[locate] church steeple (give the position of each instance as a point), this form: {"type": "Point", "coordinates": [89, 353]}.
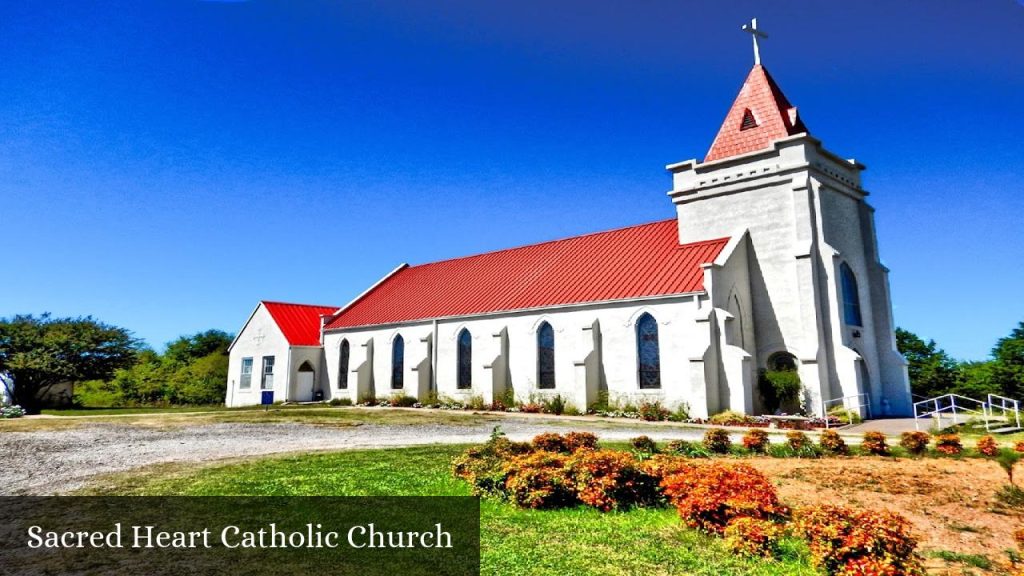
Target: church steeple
{"type": "Point", "coordinates": [760, 115]}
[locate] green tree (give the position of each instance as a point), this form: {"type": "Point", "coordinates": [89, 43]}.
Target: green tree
{"type": "Point", "coordinates": [1008, 364]}
{"type": "Point", "coordinates": [187, 349]}
{"type": "Point", "coordinates": [37, 353]}
{"type": "Point", "coordinates": [932, 371]}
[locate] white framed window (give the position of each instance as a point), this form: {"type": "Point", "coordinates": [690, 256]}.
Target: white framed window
{"type": "Point", "coordinates": [245, 382]}
{"type": "Point", "coordinates": [267, 382]}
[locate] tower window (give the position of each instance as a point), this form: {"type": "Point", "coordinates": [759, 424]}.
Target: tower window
{"type": "Point", "coordinates": [851, 296]}
{"type": "Point", "coordinates": [748, 120]}
{"type": "Point", "coordinates": [648, 353]}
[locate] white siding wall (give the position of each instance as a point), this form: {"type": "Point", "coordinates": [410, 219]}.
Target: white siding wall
{"type": "Point", "coordinates": [260, 337]}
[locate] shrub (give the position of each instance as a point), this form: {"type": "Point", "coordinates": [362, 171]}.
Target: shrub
{"type": "Point", "coordinates": [611, 479]}
{"type": "Point", "coordinates": [661, 466]}
{"type": "Point", "coordinates": [483, 467]}
{"type": "Point", "coordinates": [12, 411]}
{"type": "Point", "coordinates": [848, 542]}
{"type": "Point", "coordinates": [403, 401]}
{"type": "Point", "coordinates": [579, 441]}
{"type": "Point", "coordinates": [1018, 537]}
{"type": "Point", "coordinates": [550, 442]}
{"type": "Point", "coordinates": [797, 440]}
{"type": "Point", "coordinates": [756, 440]}
{"type": "Point", "coordinates": [710, 495]}
{"type": "Point", "coordinates": [476, 402]}
{"type": "Point", "coordinates": [539, 480]}
{"type": "Point", "coordinates": [874, 443]}
{"type": "Point", "coordinates": [717, 440]}
{"type": "Point", "coordinates": [844, 415]}
{"type": "Point", "coordinates": [949, 444]}
{"type": "Point", "coordinates": [681, 413]}
{"type": "Point", "coordinates": [754, 537]}
{"type": "Point", "coordinates": [340, 402]}
{"type": "Point", "coordinates": [555, 405]}
{"type": "Point", "coordinates": [832, 443]}
{"type": "Point", "coordinates": [987, 446]}
{"type": "Point", "coordinates": [729, 418]}
{"type": "Point", "coordinates": [653, 412]}
{"type": "Point", "coordinates": [778, 387]}
{"type": "Point", "coordinates": [1007, 459]}
{"type": "Point", "coordinates": [1010, 495]}
{"type": "Point", "coordinates": [531, 408]}
{"type": "Point", "coordinates": [677, 447]}
{"type": "Point", "coordinates": [1019, 446]}
{"type": "Point", "coordinates": [644, 444]}
{"type": "Point", "coordinates": [915, 442]}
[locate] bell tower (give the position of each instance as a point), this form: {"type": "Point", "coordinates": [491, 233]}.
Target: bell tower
{"type": "Point", "coordinates": [819, 295]}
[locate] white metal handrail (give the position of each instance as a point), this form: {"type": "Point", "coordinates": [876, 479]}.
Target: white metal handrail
{"type": "Point", "coordinates": [860, 401]}
{"type": "Point", "coordinates": [1005, 405]}
{"type": "Point", "coordinates": [935, 407]}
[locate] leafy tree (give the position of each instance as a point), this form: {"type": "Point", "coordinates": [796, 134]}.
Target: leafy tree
{"type": "Point", "coordinates": [38, 353]}
{"type": "Point", "coordinates": [190, 348]}
{"type": "Point", "coordinates": [932, 371]}
{"type": "Point", "coordinates": [1008, 363]}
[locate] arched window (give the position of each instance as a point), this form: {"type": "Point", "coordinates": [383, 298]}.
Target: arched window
{"type": "Point", "coordinates": [545, 356]}
{"type": "Point", "coordinates": [465, 357]}
{"type": "Point", "coordinates": [398, 363]}
{"type": "Point", "coordinates": [647, 352]}
{"type": "Point", "coordinates": [851, 297]}
{"type": "Point", "coordinates": [343, 366]}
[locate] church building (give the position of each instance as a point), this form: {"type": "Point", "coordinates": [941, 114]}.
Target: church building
{"type": "Point", "coordinates": [770, 265]}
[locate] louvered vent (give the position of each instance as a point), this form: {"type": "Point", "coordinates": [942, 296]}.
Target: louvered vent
{"type": "Point", "coordinates": [748, 120]}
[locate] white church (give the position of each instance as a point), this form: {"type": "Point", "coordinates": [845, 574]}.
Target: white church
{"type": "Point", "coordinates": [771, 262]}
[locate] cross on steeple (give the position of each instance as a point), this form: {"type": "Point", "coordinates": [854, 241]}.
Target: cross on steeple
{"type": "Point", "coordinates": [755, 33]}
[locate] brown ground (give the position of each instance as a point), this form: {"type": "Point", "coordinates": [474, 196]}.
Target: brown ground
{"type": "Point", "coordinates": [950, 502]}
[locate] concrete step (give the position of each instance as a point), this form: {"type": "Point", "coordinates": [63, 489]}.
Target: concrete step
{"type": "Point", "coordinates": [1006, 430]}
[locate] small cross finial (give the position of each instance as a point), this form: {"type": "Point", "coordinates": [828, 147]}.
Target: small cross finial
{"type": "Point", "coordinates": [755, 33]}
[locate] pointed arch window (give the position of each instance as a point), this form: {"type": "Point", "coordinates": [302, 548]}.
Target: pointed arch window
{"type": "Point", "coordinates": [545, 356]}
{"type": "Point", "coordinates": [343, 366]}
{"type": "Point", "coordinates": [647, 352]}
{"type": "Point", "coordinates": [465, 361]}
{"type": "Point", "coordinates": [851, 296]}
{"type": "Point", "coordinates": [398, 363]}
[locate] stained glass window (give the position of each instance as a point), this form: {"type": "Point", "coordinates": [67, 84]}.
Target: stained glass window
{"type": "Point", "coordinates": [465, 376]}
{"type": "Point", "coordinates": [648, 354]}
{"type": "Point", "coordinates": [545, 356]}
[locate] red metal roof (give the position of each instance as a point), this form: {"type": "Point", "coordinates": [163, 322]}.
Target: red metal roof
{"type": "Point", "coordinates": [634, 262]}
{"type": "Point", "coordinates": [300, 323]}
{"type": "Point", "coordinates": [775, 118]}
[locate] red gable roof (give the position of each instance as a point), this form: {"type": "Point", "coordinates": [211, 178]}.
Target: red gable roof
{"type": "Point", "coordinates": [300, 323]}
{"type": "Point", "coordinates": [645, 260]}
{"type": "Point", "coordinates": [761, 103]}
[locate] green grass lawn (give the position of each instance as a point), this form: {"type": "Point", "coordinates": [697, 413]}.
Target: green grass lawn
{"type": "Point", "coordinates": [578, 541]}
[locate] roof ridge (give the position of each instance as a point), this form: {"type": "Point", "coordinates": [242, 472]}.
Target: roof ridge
{"type": "Point", "coordinates": [296, 304]}
{"type": "Point", "coordinates": [553, 241]}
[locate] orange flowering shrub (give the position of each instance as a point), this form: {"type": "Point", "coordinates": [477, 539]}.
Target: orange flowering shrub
{"type": "Point", "coordinates": [717, 440]}
{"type": "Point", "coordinates": [709, 495]}
{"type": "Point", "coordinates": [874, 443]}
{"type": "Point", "coordinates": [756, 440]}
{"type": "Point", "coordinates": [988, 446]}
{"type": "Point", "coordinates": [797, 440]}
{"type": "Point", "coordinates": [1018, 446]}
{"type": "Point", "coordinates": [949, 444]}
{"type": "Point", "coordinates": [611, 479]}
{"type": "Point", "coordinates": [661, 465]}
{"type": "Point", "coordinates": [643, 444]}
{"type": "Point", "coordinates": [1018, 536]}
{"type": "Point", "coordinates": [580, 441]}
{"type": "Point", "coordinates": [847, 542]}
{"type": "Point", "coordinates": [550, 442]}
{"type": "Point", "coordinates": [915, 442]}
{"type": "Point", "coordinates": [830, 441]}
{"type": "Point", "coordinates": [539, 480]}
{"type": "Point", "coordinates": [483, 467]}
{"type": "Point", "coordinates": [754, 537]}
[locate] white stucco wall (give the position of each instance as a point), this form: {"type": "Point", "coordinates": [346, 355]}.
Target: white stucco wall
{"type": "Point", "coordinates": [260, 337]}
{"type": "Point", "coordinates": [680, 338]}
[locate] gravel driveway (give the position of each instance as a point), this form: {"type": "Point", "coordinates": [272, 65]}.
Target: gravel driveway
{"type": "Point", "coordinates": [55, 461]}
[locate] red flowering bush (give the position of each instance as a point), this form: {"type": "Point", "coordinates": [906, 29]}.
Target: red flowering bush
{"type": "Point", "coordinates": [915, 442]}
{"type": "Point", "coordinates": [754, 537]}
{"type": "Point", "coordinates": [611, 479]}
{"type": "Point", "coordinates": [848, 542]}
{"type": "Point", "coordinates": [797, 440]}
{"type": "Point", "coordinates": [1018, 446]}
{"type": "Point", "coordinates": [660, 466]}
{"type": "Point", "coordinates": [987, 446]}
{"type": "Point", "coordinates": [483, 467]}
{"type": "Point", "coordinates": [874, 443]}
{"type": "Point", "coordinates": [539, 480]}
{"type": "Point", "coordinates": [643, 444]}
{"type": "Point", "coordinates": [717, 440]}
{"type": "Point", "coordinates": [949, 444]}
{"type": "Point", "coordinates": [756, 440]}
{"type": "Point", "coordinates": [550, 442]}
{"type": "Point", "coordinates": [709, 495]}
{"type": "Point", "coordinates": [653, 412]}
{"type": "Point", "coordinates": [831, 442]}
{"type": "Point", "coordinates": [580, 441]}
{"type": "Point", "coordinates": [1018, 537]}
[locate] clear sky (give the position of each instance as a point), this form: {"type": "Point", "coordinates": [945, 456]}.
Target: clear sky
{"type": "Point", "coordinates": [165, 165]}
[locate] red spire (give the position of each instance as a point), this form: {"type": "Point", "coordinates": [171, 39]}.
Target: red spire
{"type": "Point", "coordinates": [759, 116]}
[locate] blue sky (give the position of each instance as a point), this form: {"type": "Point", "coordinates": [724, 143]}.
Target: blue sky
{"type": "Point", "coordinates": [165, 165]}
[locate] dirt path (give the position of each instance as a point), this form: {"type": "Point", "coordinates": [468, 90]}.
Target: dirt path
{"type": "Point", "coordinates": [58, 460]}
